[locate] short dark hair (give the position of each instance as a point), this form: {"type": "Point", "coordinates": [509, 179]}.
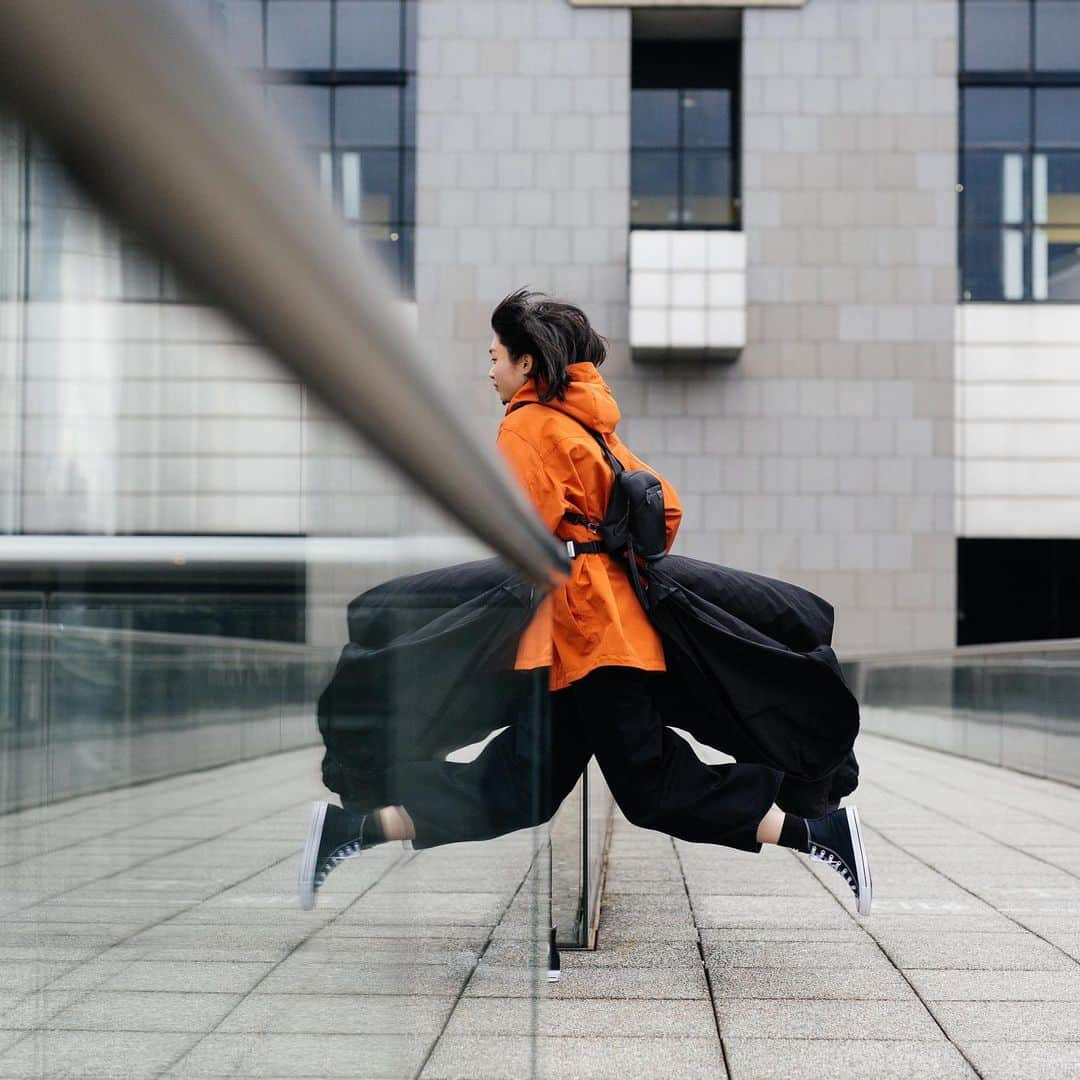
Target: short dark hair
{"type": "Point", "coordinates": [553, 332]}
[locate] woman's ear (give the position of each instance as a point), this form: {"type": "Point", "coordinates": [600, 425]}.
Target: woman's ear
{"type": "Point", "coordinates": [526, 363]}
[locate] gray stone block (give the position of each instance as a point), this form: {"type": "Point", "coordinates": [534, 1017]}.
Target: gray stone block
{"type": "Point", "coordinates": [835, 1019]}
{"type": "Point", "coordinates": [547, 1058]}
{"type": "Point", "coordinates": [1005, 1060]}
{"type": "Point", "coordinates": [780, 1059]}
{"type": "Point", "coordinates": [877, 984]}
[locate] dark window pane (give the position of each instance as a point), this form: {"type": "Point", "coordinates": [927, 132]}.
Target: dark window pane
{"type": "Point", "coordinates": [707, 195]}
{"type": "Point", "coordinates": [367, 115]}
{"type": "Point", "coordinates": [1057, 189]}
{"type": "Point", "coordinates": [654, 118]}
{"type": "Point", "coordinates": [996, 35]}
{"type": "Point", "coordinates": [992, 264]}
{"type": "Point", "coordinates": [996, 116]}
{"type": "Point", "coordinates": [1057, 116]}
{"type": "Point", "coordinates": [242, 31]}
{"type": "Point", "coordinates": [369, 186]}
{"type": "Point", "coordinates": [1057, 35]}
{"type": "Point", "coordinates": [654, 187]}
{"type": "Point", "coordinates": [369, 34]}
{"type": "Point", "coordinates": [706, 118]}
{"type": "Point", "coordinates": [993, 188]}
{"type": "Point", "coordinates": [140, 273]}
{"type": "Point", "coordinates": [304, 110]}
{"type": "Point", "coordinates": [298, 34]}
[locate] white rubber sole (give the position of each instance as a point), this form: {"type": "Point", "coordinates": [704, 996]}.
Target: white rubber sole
{"type": "Point", "coordinates": [311, 855]}
{"type": "Point", "coordinates": [862, 865]}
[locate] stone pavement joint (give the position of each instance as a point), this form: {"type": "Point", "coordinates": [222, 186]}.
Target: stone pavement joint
{"type": "Point", "coordinates": [154, 932]}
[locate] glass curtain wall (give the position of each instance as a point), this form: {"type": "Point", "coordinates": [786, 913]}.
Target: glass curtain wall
{"type": "Point", "coordinates": [1020, 151]}
{"type": "Point", "coordinates": [166, 687]}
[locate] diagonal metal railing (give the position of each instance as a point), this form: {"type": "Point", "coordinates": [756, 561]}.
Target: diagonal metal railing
{"type": "Point", "coordinates": [172, 144]}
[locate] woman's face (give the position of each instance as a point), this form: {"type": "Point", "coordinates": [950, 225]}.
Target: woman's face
{"type": "Point", "coordinates": [507, 375]}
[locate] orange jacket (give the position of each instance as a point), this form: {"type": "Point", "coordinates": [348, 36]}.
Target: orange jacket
{"type": "Point", "coordinates": [594, 620]}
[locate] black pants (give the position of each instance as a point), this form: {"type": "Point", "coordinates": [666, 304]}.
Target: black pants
{"type": "Point", "coordinates": [526, 771]}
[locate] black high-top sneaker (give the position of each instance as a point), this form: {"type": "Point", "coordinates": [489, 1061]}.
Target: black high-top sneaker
{"type": "Point", "coordinates": [836, 840]}
{"type": "Point", "coordinates": [334, 835]}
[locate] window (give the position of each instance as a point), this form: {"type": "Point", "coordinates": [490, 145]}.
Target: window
{"type": "Point", "coordinates": [1020, 150]}
{"type": "Point", "coordinates": [340, 75]}
{"type": "Point", "coordinates": [683, 110]}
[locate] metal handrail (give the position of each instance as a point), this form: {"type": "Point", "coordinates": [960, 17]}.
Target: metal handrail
{"type": "Point", "coordinates": [171, 143]}
{"type": "Point", "coordinates": [962, 651]}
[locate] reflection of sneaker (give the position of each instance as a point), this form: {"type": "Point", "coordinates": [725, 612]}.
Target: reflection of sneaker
{"type": "Point", "coordinates": [334, 835]}
{"type": "Point", "coordinates": [836, 840]}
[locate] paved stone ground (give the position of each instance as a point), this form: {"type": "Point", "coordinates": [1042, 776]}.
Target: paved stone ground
{"type": "Point", "coordinates": [154, 932]}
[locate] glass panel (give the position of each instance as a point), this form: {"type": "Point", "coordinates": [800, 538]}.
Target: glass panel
{"type": "Point", "coordinates": [1012, 264]}
{"type": "Point", "coordinates": [993, 188]}
{"type": "Point", "coordinates": [996, 35]}
{"type": "Point", "coordinates": [410, 34]}
{"type": "Point", "coordinates": [996, 116]}
{"type": "Point", "coordinates": [1039, 267]}
{"type": "Point", "coordinates": [369, 34]}
{"type": "Point", "coordinates": [243, 32]}
{"type": "Point", "coordinates": [654, 187]}
{"type": "Point", "coordinates": [1057, 35]}
{"type": "Point", "coordinates": [707, 189]}
{"type": "Point", "coordinates": [1062, 261]}
{"type": "Point", "coordinates": [304, 110]}
{"type": "Point", "coordinates": [408, 209]}
{"type": "Point", "coordinates": [1062, 188]}
{"type": "Point", "coordinates": [298, 34]}
{"type": "Point", "coordinates": [654, 118]}
{"type": "Point", "coordinates": [370, 186]}
{"type": "Point", "coordinates": [1057, 117]}
{"type": "Point", "coordinates": [367, 116]}
{"type": "Point", "coordinates": [706, 116]}
{"type": "Point", "coordinates": [992, 264]}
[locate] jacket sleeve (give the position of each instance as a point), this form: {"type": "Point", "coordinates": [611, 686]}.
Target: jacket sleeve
{"type": "Point", "coordinates": [544, 490]}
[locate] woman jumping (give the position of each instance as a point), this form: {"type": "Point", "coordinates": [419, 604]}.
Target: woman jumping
{"type": "Point", "coordinates": [603, 654]}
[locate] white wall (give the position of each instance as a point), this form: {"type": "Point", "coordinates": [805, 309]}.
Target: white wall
{"type": "Point", "coordinates": [1018, 420]}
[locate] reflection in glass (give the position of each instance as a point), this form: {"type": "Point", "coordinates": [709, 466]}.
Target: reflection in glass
{"type": "Point", "coordinates": [367, 115]}
{"type": "Point", "coordinates": [996, 35]}
{"type": "Point", "coordinates": [298, 34]}
{"type": "Point", "coordinates": [992, 263]}
{"type": "Point", "coordinates": [993, 187]}
{"type": "Point", "coordinates": [305, 111]}
{"type": "Point", "coordinates": [706, 118]}
{"type": "Point", "coordinates": [707, 189]}
{"type": "Point", "coordinates": [242, 28]}
{"type": "Point", "coordinates": [654, 118]}
{"type": "Point", "coordinates": [1057, 35]}
{"type": "Point", "coordinates": [996, 116]}
{"type": "Point", "coordinates": [1057, 116]}
{"type": "Point", "coordinates": [369, 34]}
{"type": "Point", "coordinates": [654, 187]}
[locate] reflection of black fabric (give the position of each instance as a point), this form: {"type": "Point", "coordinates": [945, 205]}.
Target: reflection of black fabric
{"type": "Point", "coordinates": [526, 771]}
{"type": "Point", "coordinates": [428, 667]}
{"type": "Point", "coordinates": [750, 671]}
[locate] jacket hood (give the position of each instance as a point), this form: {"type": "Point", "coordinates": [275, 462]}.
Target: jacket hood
{"type": "Point", "coordinates": [588, 398]}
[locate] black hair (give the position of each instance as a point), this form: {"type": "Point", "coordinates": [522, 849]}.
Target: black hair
{"type": "Point", "coordinates": [553, 332]}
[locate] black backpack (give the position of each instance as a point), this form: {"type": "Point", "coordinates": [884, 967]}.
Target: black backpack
{"type": "Point", "coordinates": [634, 524]}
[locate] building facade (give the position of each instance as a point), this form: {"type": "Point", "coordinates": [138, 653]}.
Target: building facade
{"type": "Point", "coordinates": [839, 299]}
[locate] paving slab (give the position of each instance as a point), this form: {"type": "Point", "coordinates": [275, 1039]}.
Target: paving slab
{"type": "Point", "coordinates": [993, 952]}
{"type": "Point", "coordinates": [747, 984]}
{"type": "Point", "coordinates": [344, 1014]}
{"type": "Point", "coordinates": [1025, 1021]}
{"type": "Point", "coordinates": [1045, 986]}
{"type": "Point", "coordinates": [1004, 1060]}
{"type": "Point", "coordinates": [582, 1017]}
{"type": "Point", "coordinates": [808, 1059]}
{"type": "Point", "coordinates": [493, 1057]}
{"type": "Point", "coordinates": [648, 983]}
{"type": "Point", "coordinates": [108, 1055]}
{"type": "Point", "coordinates": [809, 1019]}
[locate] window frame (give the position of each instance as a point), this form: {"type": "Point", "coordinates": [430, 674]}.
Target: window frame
{"type": "Point", "coordinates": [1031, 80]}
{"type": "Point", "coordinates": [699, 71]}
